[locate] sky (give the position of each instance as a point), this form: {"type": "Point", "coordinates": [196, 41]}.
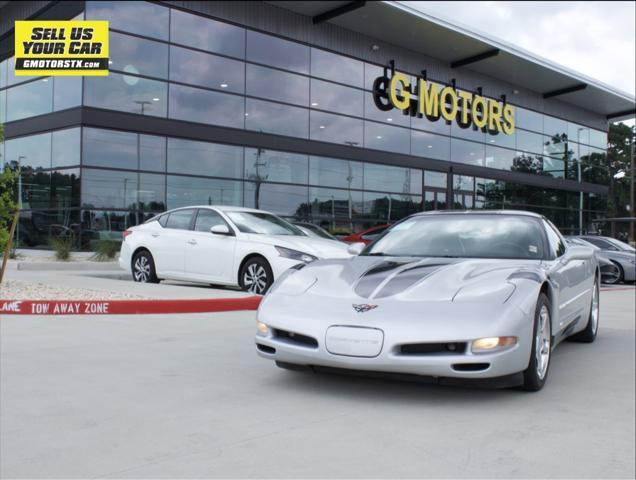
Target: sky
{"type": "Point", "coordinates": [597, 39]}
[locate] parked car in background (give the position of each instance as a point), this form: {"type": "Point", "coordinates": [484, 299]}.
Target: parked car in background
{"type": "Point", "coordinates": [220, 245]}
{"type": "Point", "coordinates": [366, 236]}
{"type": "Point", "coordinates": [620, 253]}
{"type": "Point", "coordinates": [610, 272]}
{"type": "Point", "coordinates": [315, 231]}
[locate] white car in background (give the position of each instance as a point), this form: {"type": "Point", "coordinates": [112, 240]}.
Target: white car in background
{"type": "Point", "coordinates": [220, 245]}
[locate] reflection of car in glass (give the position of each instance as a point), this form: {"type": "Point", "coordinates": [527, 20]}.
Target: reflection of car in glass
{"type": "Point", "coordinates": [315, 231]}
{"type": "Point", "coordinates": [366, 236]}
{"type": "Point", "coordinates": [470, 295]}
{"type": "Point", "coordinates": [620, 253]}
{"type": "Point", "coordinates": [220, 245]}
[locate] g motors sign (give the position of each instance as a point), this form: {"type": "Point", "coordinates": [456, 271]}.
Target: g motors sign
{"type": "Point", "coordinates": [73, 47]}
{"type": "Point", "coordinates": [424, 98]}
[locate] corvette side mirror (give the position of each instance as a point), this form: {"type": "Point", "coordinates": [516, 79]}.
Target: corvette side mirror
{"type": "Point", "coordinates": [356, 248]}
{"type": "Point", "coordinates": [577, 252]}
{"type": "Point", "coordinates": [220, 230]}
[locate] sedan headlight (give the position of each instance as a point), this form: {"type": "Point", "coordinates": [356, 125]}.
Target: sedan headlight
{"type": "Point", "coordinates": [295, 255]}
{"type": "Point", "coordinates": [492, 344]}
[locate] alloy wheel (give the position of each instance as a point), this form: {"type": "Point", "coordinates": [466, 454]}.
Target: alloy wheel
{"type": "Point", "coordinates": [255, 278]}
{"type": "Point", "coordinates": [543, 342]}
{"type": "Point", "coordinates": [595, 308]}
{"type": "Point", "coordinates": [142, 269]}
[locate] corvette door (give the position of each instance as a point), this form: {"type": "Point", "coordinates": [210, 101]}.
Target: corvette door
{"type": "Point", "coordinates": [208, 256]}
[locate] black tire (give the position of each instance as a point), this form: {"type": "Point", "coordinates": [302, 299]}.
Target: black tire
{"type": "Point", "coordinates": [591, 329]}
{"type": "Point", "coordinates": [256, 276]}
{"type": "Point", "coordinates": [143, 268]}
{"type": "Point", "coordinates": [621, 273]}
{"type": "Point", "coordinates": [535, 376]}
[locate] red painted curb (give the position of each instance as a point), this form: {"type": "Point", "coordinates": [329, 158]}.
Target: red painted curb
{"type": "Point", "coordinates": [617, 289]}
{"type": "Point", "coordinates": [126, 307]}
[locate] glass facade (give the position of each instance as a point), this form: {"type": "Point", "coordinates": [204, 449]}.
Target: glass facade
{"type": "Point", "coordinates": [172, 64]}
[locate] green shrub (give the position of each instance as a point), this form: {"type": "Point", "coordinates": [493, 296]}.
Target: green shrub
{"type": "Point", "coordinates": [4, 238]}
{"type": "Point", "coordinates": [106, 249]}
{"type": "Point", "coordinates": [62, 246]}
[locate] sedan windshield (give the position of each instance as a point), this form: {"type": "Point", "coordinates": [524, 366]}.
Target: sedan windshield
{"type": "Point", "coordinates": [468, 236]}
{"type": "Point", "coordinates": [263, 223]}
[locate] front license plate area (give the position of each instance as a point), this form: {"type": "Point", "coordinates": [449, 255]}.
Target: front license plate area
{"type": "Point", "coordinates": [354, 341]}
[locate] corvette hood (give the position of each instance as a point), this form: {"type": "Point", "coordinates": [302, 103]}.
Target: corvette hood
{"type": "Point", "coordinates": [412, 279]}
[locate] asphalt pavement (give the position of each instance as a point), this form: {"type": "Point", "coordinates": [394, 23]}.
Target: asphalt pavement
{"type": "Point", "coordinates": [186, 396]}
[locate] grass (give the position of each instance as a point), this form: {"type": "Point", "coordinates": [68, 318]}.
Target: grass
{"type": "Point", "coordinates": [62, 247]}
{"type": "Point", "coordinates": [106, 250]}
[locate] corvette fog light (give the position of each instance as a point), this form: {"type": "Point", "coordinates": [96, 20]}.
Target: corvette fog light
{"type": "Point", "coordinates": [492, 344]}
{"type": "Point", "coordinates": [261, 328]}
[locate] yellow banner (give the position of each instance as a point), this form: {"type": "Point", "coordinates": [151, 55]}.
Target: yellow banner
{"type": "Point", "coordinates": [74, 47]}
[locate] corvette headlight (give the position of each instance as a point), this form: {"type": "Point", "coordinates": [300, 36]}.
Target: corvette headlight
{"type": "Point", "coordinates": [295, 254]}
{"type": "Point", "coordinates": [261, 329]}
{"type": "Point", "coordinates": [492, 344]}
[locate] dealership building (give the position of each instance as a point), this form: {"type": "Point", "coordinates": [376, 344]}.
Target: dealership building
{"type": "Point", "coordinates": [344, 114]}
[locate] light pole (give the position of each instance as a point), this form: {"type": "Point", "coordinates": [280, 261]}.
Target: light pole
{"type": "Point", "coordinates": [143, 104]}
{"type": "Point", "coordinates": [17, 233]}
{"type": "Point", "coordinates": [578, 168]}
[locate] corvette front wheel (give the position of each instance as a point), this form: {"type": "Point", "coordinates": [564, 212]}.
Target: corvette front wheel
{"type": "Point", "coordinates": [535, 375]}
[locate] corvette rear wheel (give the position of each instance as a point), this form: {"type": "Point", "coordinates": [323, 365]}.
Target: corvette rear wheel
{"type": "Point", "coordinates": [256, 276]}
{"type": "Point", "coordinates": [589, 334]}
{"type": "Point", "coordinates": [535, 375]}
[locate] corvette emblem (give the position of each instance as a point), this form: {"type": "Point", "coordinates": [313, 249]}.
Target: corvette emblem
{"type": "Point", "coordinates": [363, 307]}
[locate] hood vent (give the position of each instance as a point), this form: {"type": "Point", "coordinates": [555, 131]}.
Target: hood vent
{"type": "Point", "coordinates": [390, 278]}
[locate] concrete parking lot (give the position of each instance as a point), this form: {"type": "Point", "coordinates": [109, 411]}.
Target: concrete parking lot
{"type": "Point", "coordinates": [186, 396]}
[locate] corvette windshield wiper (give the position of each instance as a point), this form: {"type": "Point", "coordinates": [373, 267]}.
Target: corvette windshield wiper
{"type": "Point", "coordinates": [376, 254]}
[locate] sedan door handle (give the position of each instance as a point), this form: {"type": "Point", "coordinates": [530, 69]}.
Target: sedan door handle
{"type": "Point", "coordinates": [155, 235]}
{"type": "Point", "coordinates": [192, 242]}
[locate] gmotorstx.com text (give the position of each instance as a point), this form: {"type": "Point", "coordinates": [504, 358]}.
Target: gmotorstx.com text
{"type": "Point", "coordinates": [60, 63]}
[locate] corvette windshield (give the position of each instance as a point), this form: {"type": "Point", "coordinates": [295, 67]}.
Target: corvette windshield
{"type": "Point", "coordinates": [263, 223]}
{"type": "Point", "coordinates": [467, 236]}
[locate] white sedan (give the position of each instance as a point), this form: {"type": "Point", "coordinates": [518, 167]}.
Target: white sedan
{"type": "Point", "coordinates": [220, 245]}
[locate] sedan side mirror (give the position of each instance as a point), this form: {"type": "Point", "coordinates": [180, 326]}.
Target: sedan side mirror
{"type": "Point", "coordinates": [220, 230]}
{"type": "Point", "coordinates": [356, 248]}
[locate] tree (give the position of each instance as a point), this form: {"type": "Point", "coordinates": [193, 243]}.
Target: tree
{"type": "Point", "coordinates": [8, 196]}
{"type": "Point", "coordinates": [619, 148]}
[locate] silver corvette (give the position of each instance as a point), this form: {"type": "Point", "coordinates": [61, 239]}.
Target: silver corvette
{"type": "Point", "coordinates": [453, 297]}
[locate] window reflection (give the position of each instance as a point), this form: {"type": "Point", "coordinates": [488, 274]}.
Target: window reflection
{"type": "Point", "coordinates": [384, 137]}
{"type": "Point", "coordinates": [277, 52]}
{"type": "Point", "coordinates": [392, 117]}
{"type": "Point", "coordinates": [67, 92]}
{"type": "Point", "coordinates": [430, 145]}
{"type": "Point", "coordinates": [138, 56]}
{"type": "Point", "coordinates": [35, 188]}
{"type": "Point", "coordinates": [109, 189]}
{"type": "Point", "coordinates": [529, 120]}
{"type": "Point", "coordinates": [207, 70]}
{"type": "Point", "coordinates": [463, 183]}
{"type": "Point", "coordinates": [286, 200]}
{"type": "Point", "coordinates": [183, 191]}
{"type": "Point", "coordinates": [152, 153]}
{"type": "Point", "coordinates": [327, 127]}
{"type": "Point", "coordinates": [336, 67]}
{"type": "Point", "coordinates": [126, 93]}
{"type": "Point", "coordinates": [142, 18]}
{"type": "Point", "coordinates": [268, 117]}
{"type": "Point", "coordinates": [202, 158]}
{"type": "Point", "coordinates": [336, 98]}
{"type": "Point", "coordinates": [31, 153]}
{"type": "Point", "coordinates": [109, 148]}
{"type": "Point", "coordinates": [529, 142]}
{"type": "Point", "coordinates": [66, 148]}
{"type": "Point", "coordinates": [386, 207]}
{"type": "Point", "coordinates": [152, 192]}
{"type": "Point", "coordinates": [277, 85]}
{"type": "Point", "coordinates": [204, 106]}
{"type": "Point", "coordinates": [206, 34]}
{"type": "Point", "coordinates": [392, 179]}
{"type": "Point", "coordinates": [468, 133]}
{"type": "Point", "coordinates": [501, 158]}
{"type": "Point", "coordinates": [435, 179]}
{"type": "Point", "coordinates": [553, 126]}
{"type": "Point", "coordinates": [463, 151]}
{"type": "Point", "coordinates": [30, 99]}
{"type": "Point", "coordinates": [333, 172]}
{"type": "Point", "coordinates": [330, 207]}
{"type": "Point", "coordinates": [268, 165]}
{"type": "Point", "coordinates": [65, 188]}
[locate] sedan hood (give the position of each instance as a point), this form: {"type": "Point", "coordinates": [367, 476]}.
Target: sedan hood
{"type": "Point", "coordinates": [412, 279]}
{"type": "Point", "coordinates": [318, 247]}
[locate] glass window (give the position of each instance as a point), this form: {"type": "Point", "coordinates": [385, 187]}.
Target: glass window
{"type": "Point", "coordinates": [384, 137]}
{"type": "Point", "coordinates": [463, 151]}
{"type": "Point", "coordinates": [3, 106]}
{"type": "Point", "coordinates": [12, 79]}
{"type": "Point", "coordinates": [207, 34]}
{"type": "Point", "coordinates": [501, 158]}
{"type": "Point", "coordinates": [143, 18]}
{"type": "Point", "coordinates": [502, 140]}
{"type": "Point", "coordinates": [529, 120]}
{"type": "Point", "coordinates": [36, 189]}
{"type": "Point", "coordinates": [578, 133]}
{"type": "Point", "coordinates": [180, 219]}
{"type": "Point", "coordinates": [392, 179]}
{"type": "Point", "coordinates": [336, 98]}
{"type": "Point", "coordinates": [529, 142]}
{"type": "Point", "coordinates": [327, 127]}
{"type": "Point", "coordinates": [331, 204]}
{"type": "Point", "coordinates": [463, 183]}
{"type": "Point", "coordinates": [468, 133]}
{"type": "Point", "coordinates": [277, 85]}
{"type": "Point", "coordinates": [286, 200]}
{"type": "Point", "coordinates": [65, 188]}
{"type": "Point", "coordinates": [212, 71]}
{"type": "Point", "coordinates": [204, 106]}
{"type": "Point", "coordinates": [30, 99]}
{"type": "Point", "coordinates": [273, 166]}
{"type": "Point", "coordinates": [554, 145]}
{"type": "Point", "coordinates": [438, 126]}
{"type": "Point", "coordinates": [430, 145]}
{"type": "Point", "coordinates": [553, 167]}
{"type": "Point", "coordinates": [126, 93]}
{"type": "Point", "coordinates": [152, 153]}
{"type": "Point", "coordinates": [67, 92]}
{"type": "Point", "coordinates": [269, 117]}
{"type": "Point", "coordinates": [274, 51]}
{"type": "Point", "coordinates": [371, 72]}
{"type": "Point", "coordinates": [202, 158]}
{"type": "Point", "coordinates": [553, 126]}
{"type": "Point", "coordinates": [152, 192]}
{"type": "Point", "coordinates": [335, 173]}
{"type": "Point", "coordinates": [386, 207]}
{"type": "Point", "coordinates": [435, 179]}
{"type": "Point", "coordinates": [66, 148]}
{"type": "Point", "coordinates": [109, 189]}
{"type": "Point", "coordinates": [183, 191]}
{"type": "Point", "coordinates": [109, 148]}
{"type": "Point", "coordinates": [336, 67]}
{"type": "Point", "coordinates": [598, 139]}
{"type": "Point", "coordinates": [3, 73]}
{"type": "Point", "coordinates": [394, 117]}
{"type": "Point", "coordinates": [32, 152]}
{"type": "Point", "coordinates": [138, 56]}
{"type": "Point", "coordinates": [206, 219]}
